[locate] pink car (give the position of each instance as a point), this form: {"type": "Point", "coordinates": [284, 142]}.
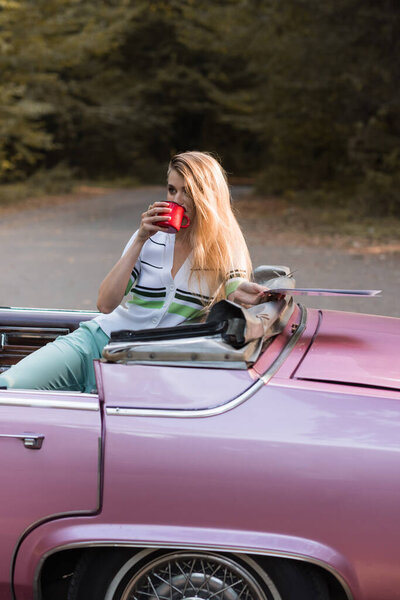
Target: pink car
{"type": "Point", "coordinates": [253, 457]}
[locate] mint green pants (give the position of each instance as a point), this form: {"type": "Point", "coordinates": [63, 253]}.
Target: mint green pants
{"type": "Point", "coordinates": [65, 364]}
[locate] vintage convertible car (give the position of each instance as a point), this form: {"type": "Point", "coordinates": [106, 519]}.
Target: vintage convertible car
{"type": "Point", "coordinates": [252, 457]}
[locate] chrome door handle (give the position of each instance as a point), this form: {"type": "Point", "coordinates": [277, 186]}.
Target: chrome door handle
{"type": "Point", "coordinates": [32, 441]}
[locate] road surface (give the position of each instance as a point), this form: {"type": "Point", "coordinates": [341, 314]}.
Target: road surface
{"type": "Point", "coordinates": [56, 256]}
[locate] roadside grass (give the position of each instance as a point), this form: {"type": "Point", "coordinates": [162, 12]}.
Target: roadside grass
{"type": "Point", "coordinates": [54, 187]}
{"type": "Point", "coordinates": [24, 196]}
{"type": "Point", "coordinates": [338, 226]}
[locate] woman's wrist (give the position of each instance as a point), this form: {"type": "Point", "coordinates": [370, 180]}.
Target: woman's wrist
{"type": "Point", "coordinates": [142, 236]}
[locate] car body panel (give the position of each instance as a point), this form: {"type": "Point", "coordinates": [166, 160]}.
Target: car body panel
{"type": "Point", "coordinates": [304, 468]}
{"type": "Point", "coordinates": [75, 533]}
{"type": "Point", "coordinates": [296, 355]}
{"type": "Point", "coordinates": [59, 478]}
{"type": "Point", "coordinates": [187, 388]}
{"type": "Point", "coordinates": [354, 349]}
{"type": "Point", "coordinates": [259, 467]}
{"type": "Point", "coordinates": [184, 388]}
{"type": "Point", "coordinates": [251, 478]}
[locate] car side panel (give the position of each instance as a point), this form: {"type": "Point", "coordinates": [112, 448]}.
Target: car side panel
{"type": "Point", "coordinates": [60, 478]}
{"type": "Point", "coordinates": [90, 532]}
{"type": "Point", "coordinates": [308, 464]}
{"type": "Point", "coordinates": [306, 472]}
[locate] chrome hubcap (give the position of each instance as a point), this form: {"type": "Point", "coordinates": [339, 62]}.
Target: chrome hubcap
{"type": "Point", "coordinates": [182, 576]}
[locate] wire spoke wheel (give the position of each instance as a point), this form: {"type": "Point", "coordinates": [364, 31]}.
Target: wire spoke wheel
{"type": "Point", "coordinates": [155, 574]}
{"type": "Point", "coordinates": [191, 576]}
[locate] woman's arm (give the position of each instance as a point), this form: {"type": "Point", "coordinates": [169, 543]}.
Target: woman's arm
{"type": "Point", "coordinates": [113, 287]}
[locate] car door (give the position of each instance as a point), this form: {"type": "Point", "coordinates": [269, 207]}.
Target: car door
{"type": "Point", "coordinates": [50, 444]}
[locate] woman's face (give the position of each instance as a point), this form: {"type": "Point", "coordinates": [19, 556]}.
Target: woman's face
{"type": "Point", "coordinates": [177, 192]}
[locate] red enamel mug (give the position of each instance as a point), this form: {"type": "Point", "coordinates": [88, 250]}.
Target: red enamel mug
{"type": "Point", "coordinates": [175, 222]}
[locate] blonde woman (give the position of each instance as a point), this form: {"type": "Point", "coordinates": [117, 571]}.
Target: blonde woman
{"type": "Point", "coordinates": [163, 279]}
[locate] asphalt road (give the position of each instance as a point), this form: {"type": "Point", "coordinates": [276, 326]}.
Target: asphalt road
{"type": "Point", "coordinates": [56, 256]}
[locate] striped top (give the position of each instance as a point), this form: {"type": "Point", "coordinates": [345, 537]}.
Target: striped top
{"type": "Point", "coordinates": [153, 298]}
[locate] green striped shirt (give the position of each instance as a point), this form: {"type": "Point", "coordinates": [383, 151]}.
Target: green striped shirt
{"type": "Point", "coordinates": [155, 299]}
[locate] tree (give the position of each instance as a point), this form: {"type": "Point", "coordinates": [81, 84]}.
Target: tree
{"type": "Point", "coordinates": [327, 96]}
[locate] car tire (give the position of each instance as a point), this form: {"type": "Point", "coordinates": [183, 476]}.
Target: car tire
{"type": "Point", "coordinates": [296, 580]}
{"type": "Point", "coordinates": [119, 575]}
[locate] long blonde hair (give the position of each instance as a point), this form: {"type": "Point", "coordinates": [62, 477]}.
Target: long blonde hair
{"type": "Point", "coordinates": [216, 239]}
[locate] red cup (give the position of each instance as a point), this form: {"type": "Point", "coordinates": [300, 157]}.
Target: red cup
{"type": "Point", "coordinates": [175, 222]}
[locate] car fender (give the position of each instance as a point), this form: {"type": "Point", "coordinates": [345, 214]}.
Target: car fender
{"type": "Point", "coordinates": [82, 533]}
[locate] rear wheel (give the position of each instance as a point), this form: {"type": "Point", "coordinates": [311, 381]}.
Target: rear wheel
{"type": "Point", "coordinates": [180, 575]}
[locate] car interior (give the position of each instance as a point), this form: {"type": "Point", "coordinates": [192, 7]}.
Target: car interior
{"type": "Point", "coordinates": [230, 334]}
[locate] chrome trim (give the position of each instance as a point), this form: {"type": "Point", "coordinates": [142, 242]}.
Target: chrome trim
{"type": "Point", "coordinates": [31, 441]}
{"type": "Point", "coordinates": [218, 410]}
{"type": "Point", "coordinates": [3, 341]}
{"type": "Point", "coordinates": [171, 556]}
{"type": "Point", "coordinates": [203, 352]}
{"type": "Point", "coordinates": [288, 348]}
{"type": "Point", "coordinates": [182, 413]}
{"type": "Point", "coordinates": [64, 311]}
{"type": "Point", "coordinates": [238, 551]}
{"type": "Point", "coordinates": [43, 403]}
{"type": "Point", "coordinates": [21, 331]}
{"type": "Point", "coordinates": [214, 364]}
{"type": "Point", "coordinates": [62, 393]}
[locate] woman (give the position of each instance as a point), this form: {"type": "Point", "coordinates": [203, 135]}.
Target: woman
{"type": "Point", "coordinates": [166, 279]}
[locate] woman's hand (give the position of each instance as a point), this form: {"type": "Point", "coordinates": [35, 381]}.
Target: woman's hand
{"type": "Point", "coordinates": [249, 293]}
{"type": "Point", "coordinates": [155, 213]}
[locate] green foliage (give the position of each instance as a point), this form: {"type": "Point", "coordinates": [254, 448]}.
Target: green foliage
{"type": "Point", "coordinates": [303, 93]}
{"type": "Point", "coordinates": [328, 98]}
{"type": "Point", "coordinates": [55, 181]}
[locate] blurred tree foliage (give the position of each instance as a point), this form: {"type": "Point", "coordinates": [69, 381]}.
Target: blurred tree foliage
{"type": "Point", "coordinates": [328, 96]}
{"type": "Point", "coordinates": [302, 93]}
